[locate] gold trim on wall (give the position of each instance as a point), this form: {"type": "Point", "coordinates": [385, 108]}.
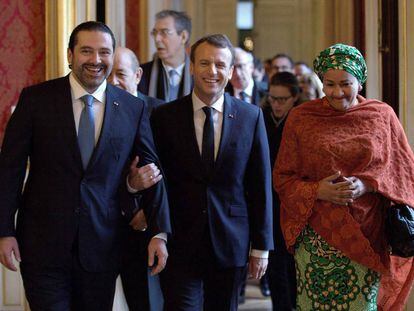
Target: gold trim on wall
{"type": "Point", "coordinates": [60, 20]}
{"type": "Point", "coordinates": [403, 65]}
{"type": "Point", "coordinates": [143, 32]}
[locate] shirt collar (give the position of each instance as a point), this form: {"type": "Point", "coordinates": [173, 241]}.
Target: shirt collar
{"type": "Point", "coordinates": [198, 104]}
{"type": "Point", "coordinates": [78, 91]}
{"type": "Point", "coordinates": [178, 69]}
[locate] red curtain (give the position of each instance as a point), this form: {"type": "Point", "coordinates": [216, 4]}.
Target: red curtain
{"type": "Point", "coordinates": [22, 51]}
{"type": "Point", "coordinates": [132, 25]}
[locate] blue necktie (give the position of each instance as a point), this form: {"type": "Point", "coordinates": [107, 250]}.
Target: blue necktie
{"type": "Point", "coordinates": [86, 131]}
{"type": "Point", "coordinates": [174, 85]}
{"type": "Point", "coordinates": [174, 77]}
{"type": "Point", "coordinates": [207, 149]}
{"type": "Point", "coordinates": [244, 97]}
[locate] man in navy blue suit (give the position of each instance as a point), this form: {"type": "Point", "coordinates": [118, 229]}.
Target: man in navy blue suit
{"type": "Point", "coordinates": [142, 290]}
{"type": "Point", "coordinates": [215, 158]}
{"type": "Point", "coordinates": [80, 135]}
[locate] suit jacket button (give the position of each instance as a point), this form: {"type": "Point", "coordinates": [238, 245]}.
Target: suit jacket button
{"type": "Point", "coordinates": [204, 211]}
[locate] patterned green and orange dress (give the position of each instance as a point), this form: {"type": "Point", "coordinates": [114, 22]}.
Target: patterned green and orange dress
{"type": "Point", "coordinates": [328, 280]}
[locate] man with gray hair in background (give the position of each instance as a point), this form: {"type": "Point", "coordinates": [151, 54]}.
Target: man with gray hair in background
{"type": "Point", "coordinates": [242, 84]}
{"type": "Point", "coordinates": [167, 76]}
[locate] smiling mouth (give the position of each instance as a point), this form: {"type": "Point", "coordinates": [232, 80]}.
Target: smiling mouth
{"type": "Point", "coordinates": [211, 81]}
{"type": "Point", "coordinates": [94, 70]}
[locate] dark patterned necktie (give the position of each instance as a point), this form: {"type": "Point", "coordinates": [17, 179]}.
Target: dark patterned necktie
{"type": "Point", "coordinates": [207, 150]}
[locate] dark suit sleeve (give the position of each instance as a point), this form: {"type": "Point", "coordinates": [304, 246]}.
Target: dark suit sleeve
{"type": "Point", "coordinates": [259, 189]}
{"type": "Point", "coordinates": [13, 162]}
{"type": "Point", "coordinates": [154, 200]}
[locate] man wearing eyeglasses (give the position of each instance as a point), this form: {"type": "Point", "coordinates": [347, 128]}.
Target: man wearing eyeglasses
{"type": "Point", "coordinates": [242, 84]}
{"type": "Point", "coordinates": [167, 76]}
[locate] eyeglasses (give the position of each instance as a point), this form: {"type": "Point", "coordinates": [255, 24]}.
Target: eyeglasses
{"type": "Point", "coordinates": [279, 99]}
{"type": "Point", "coordinates": [241, 65]}
{"type": "Point", "coordinates": [162, 32]}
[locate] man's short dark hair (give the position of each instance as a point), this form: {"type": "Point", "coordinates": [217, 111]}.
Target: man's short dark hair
{"type": "Point", "coordinates": [217, 40]}
{"type": "Point", "coordinates": [283, 55]}
{"type": "Point", "coordinates": [286, 79]}
{"type": "Point", "coordinates": [181, 19]}
{"type": "Point", "coordinates": [89, 26]}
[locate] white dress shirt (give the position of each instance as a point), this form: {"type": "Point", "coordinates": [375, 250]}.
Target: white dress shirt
{"type": "Point", "coordinates": [199, 118]}
{"type": "Point", "coordinates": [99, 98]}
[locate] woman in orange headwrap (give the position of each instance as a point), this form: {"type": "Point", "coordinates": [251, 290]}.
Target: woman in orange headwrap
{"type": "Point", "coordinates": [343, 160]}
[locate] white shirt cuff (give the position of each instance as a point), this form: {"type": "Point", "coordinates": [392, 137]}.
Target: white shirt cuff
{"type": "Point", "coordinates": [162, 236]}
{"type": "Point", "coordinates": [259, 254]}
{"type": "Point", "coordinates": [130, 189]}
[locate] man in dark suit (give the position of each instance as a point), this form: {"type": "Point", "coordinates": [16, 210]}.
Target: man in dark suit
{"type": "Point", "coordinates": [142, 290]}
{"type": "Point", "coordinates": [80, 135]}
{"type": "Point", "coordinates": [215, 159]}
{"type": "Point", "coordinates": [242, 84]}
{"type": "Point", "coordinates": [167, 76]}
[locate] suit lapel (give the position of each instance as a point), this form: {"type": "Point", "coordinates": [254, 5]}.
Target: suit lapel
{"type": "Point", "coordinates": [229, 117]}
{"type": "Point", "coordinates": [64, 108]}
{"type": "Point", "coordinates": [189, 136]}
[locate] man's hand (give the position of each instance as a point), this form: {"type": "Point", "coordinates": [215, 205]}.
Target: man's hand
{"type": "Point", "coordinates": [8, 245]}
{"type": "Point", "coordinates": [157, 248]}
{"type": "Point", "coordinates": [141, 178]}
{"type": "Point", "coordinates": [139, 222]}
{"type": "Point", "coordinates": [257, 267]}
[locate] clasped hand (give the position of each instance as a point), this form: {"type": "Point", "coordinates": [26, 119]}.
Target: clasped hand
{"type": "Point", "coordinates": [141, 178]}
{"type": "Point", "coordinates": [341, 190]}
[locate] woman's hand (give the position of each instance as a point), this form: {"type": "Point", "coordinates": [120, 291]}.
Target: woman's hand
{"type": "Point", "coordinates": [344, 191]}
{"type": "Point", "coordinates": [358, 187]}
{"type": "Point", "coordinates": [332, 190]}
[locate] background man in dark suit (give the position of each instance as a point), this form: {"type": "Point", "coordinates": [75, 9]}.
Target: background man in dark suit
{"type": "Point", "coordinates": [215, 158]}
{"type": "Point", "coordinates": [80, 135]}
{"type": "Point", "coordinates": [142, 290]}
{"type": "Point", "coordinates": [167, 76]}
{"type": "Point", "coordinates": [242, 84]}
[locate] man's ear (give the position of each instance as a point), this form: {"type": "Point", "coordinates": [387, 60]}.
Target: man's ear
{"type": "Point", "coordinates": [184, 37]}
{"type": "Point", "coordinates": [231, 72]}
{"type": "Point", "coordinates": [69, 57]}
{"type": "Point", "coordinates": [138, 75]}
{"type": "Point", "coordinates": [191, 67]}
{"type": "Point", "coordinates": [359, 87]}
